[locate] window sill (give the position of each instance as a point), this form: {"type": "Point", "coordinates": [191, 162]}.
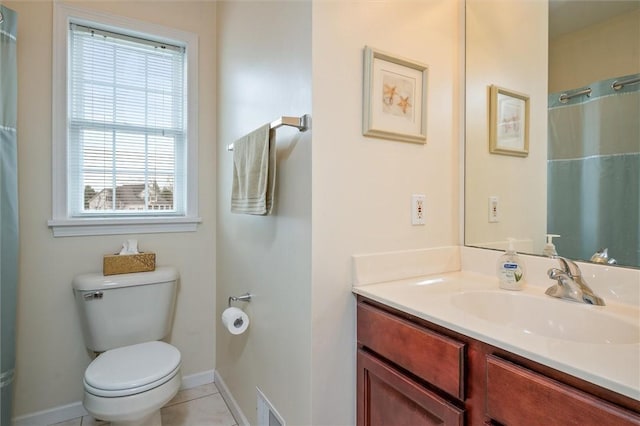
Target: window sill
{"type": "Point", "coordinates": [148, 225]}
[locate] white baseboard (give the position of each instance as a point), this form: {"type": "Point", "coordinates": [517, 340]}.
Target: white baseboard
{"type": "Point", "coordinates": [74, 410]}
{"type": "Point", "coordinates": [52, 415]}
{"type": "Point", "coordinates": [230, 400]}
{"type": "Point", "coordinates": [197, 379]}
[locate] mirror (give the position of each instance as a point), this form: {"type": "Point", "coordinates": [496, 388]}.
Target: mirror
{"type": "Point", "coordinates": [579, 177]}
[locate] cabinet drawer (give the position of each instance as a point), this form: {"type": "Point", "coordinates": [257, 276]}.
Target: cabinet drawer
{"type": "Point", "coordinates": [433, 357]}
{"type": "Point", "coordinates": [519, 396]}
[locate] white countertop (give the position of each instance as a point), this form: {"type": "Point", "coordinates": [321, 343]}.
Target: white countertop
{"type": "Point", "coordinates": [615, 366]}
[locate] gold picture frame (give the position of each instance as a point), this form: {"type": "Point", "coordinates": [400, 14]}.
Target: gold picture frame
{"type": "Point", "coordinates": [395, 97]}
{"type": "Point", "coordinates": [508, 122]}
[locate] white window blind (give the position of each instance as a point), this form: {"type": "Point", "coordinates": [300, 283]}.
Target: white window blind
{"type": "Point", "coordinates": [126, 125]}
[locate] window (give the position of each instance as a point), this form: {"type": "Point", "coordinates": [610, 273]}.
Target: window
{"type": "Point", "coordinates": [126, 130]}
{"type": "Point", "coordinates": [124, 127]}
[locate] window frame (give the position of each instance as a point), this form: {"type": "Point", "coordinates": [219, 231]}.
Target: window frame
{"type": "Point", "coordinates": [62, 223]}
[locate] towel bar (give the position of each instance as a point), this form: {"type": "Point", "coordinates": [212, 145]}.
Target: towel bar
{"type": "Point", "coordinates": [301, 123]}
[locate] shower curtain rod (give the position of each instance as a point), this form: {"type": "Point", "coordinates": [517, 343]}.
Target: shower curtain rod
{"type": "Point", "coordinates": [617, 85]}
{"type": "Point", "coordinates": [564, 98]}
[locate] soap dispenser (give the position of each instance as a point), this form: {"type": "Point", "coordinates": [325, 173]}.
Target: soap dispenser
{"type": "Point", "coordinates": [549, 248]}
{"type": "Point", "coordinates": [510, 269]}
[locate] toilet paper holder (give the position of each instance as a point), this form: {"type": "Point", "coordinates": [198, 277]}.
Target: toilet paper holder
{"type": "Point", "coordinates": [243, 298]}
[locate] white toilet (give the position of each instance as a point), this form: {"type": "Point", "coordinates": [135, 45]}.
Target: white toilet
{"type": "Point", "coordinates": [123, 318]}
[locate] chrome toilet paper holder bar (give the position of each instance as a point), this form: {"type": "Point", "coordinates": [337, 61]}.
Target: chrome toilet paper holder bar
{"type": "Point", "coordinates": [244, 298]}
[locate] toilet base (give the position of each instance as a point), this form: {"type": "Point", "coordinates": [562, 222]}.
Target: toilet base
{"type": "Point", "coordinates": [141, 409]}
{"type": "Point", "coordinates": [155, 419]}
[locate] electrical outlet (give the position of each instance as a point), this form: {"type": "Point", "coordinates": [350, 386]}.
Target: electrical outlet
{"type": "Point", "coordinates": [494, 209]}
{"type": "Point", "coordinates": [418, 209]}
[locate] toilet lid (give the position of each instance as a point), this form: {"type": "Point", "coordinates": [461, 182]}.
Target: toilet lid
{"type": "Point", "coordinates": [132, 369]}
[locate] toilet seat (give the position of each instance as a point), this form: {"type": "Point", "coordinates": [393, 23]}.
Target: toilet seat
{"type": "Point", "coordinates": [132, 369]}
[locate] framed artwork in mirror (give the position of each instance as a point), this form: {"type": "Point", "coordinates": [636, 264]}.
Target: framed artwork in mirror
{"type": "Point", "coordinates": [395, 97]}
{"type": "Point", "coordinates": [508, 122]}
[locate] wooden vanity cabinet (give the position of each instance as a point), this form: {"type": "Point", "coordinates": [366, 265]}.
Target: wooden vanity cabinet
{"type": "Point", "coordinates": [412, 372]}
{"type": "Point", "coordinates": [387, 396]}
{"type": "Point", "coordinates": [396, 361]}
{"type": "Point", "coordinates": [546, 399]}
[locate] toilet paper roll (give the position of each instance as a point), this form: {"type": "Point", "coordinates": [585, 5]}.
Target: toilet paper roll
{"type": "Point", "coordinates": [235, 320]}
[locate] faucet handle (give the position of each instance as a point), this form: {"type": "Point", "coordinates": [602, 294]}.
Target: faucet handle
{"type": "Point", "coordinates": [557, 274]}
{"type": "Point", "coordinates": [569, 266]}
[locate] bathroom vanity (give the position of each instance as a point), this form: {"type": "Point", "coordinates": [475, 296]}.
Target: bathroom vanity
{"type": "Point", "coordinates": [427, 355]}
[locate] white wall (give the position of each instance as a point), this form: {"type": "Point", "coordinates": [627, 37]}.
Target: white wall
{"type": "Point", "coordinates": [507, 47]}
{"type": "Point", "coordinates": [264, 73]}
{"type": "Point", "coordinates": [362, 186]}
{"type": "Point", "coordinates": [51, 357]}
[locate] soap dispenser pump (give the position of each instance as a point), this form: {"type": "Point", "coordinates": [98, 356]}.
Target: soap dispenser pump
{"type": "Point", "coordinates": [549, 248]}
{"type": "Point", "coordinates": [510, 269]}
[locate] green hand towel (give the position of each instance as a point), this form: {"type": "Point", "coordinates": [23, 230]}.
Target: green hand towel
{"type": "Point", "coordinates": [254, 172]}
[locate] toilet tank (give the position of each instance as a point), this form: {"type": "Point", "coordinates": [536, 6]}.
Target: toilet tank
{"type": "Point", "coordinates": [121, 310]}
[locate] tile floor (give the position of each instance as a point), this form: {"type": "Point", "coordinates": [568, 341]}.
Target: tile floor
{"type": "Point", "coordinates": [200, 406]}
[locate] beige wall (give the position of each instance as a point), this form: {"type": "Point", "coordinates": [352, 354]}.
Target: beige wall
{"type": "Point", "coordinates": [606, 50]}
{"type": "Point", "coordinates": [507, 47]}
{"type": "Point", "coordinates": [339, 194]}
{"type": "Point", "coordinates": [362, 186]}
{"type": "Point", "coordinates": [264, 73]}
{"type": "Point", "coordinates": [51, 357]}
{"type": "Point", "coordinates": [300, 348]}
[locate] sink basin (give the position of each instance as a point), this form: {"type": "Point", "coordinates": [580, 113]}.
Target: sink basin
{"type": "Point", "coordinates": [549, 317]}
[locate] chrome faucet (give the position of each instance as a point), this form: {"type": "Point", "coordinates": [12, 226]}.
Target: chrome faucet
{"type": "Point", "coordinates": [570, 284]}
{"type": "Point", "coordinates": [602, 256]}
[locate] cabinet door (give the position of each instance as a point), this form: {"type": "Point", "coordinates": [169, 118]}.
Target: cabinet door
{"type": "Point", "coordinates": [518, 396]}
{"type": "Point", "coordinates": [386, 397]}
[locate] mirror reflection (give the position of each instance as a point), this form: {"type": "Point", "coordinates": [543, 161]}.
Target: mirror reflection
{"type": "Point", "coordinates": [579, 64]}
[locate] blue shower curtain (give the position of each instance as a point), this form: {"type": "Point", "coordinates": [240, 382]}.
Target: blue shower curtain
{"type": "Point", "coordinates": [8, 208]}
{"type": "Point", "coordinates": [594, 172]}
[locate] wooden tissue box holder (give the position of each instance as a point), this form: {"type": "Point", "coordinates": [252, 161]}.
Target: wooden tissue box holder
{"type": "Point", "coordinates": [114, 264]}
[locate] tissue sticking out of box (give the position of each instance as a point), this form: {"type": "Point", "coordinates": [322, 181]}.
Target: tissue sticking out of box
{"type": "Point", "coordinates": [130, 247]}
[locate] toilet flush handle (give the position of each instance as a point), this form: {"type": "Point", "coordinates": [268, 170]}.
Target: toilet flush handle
{"type": "Point", "coordinates": [93, 295]}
